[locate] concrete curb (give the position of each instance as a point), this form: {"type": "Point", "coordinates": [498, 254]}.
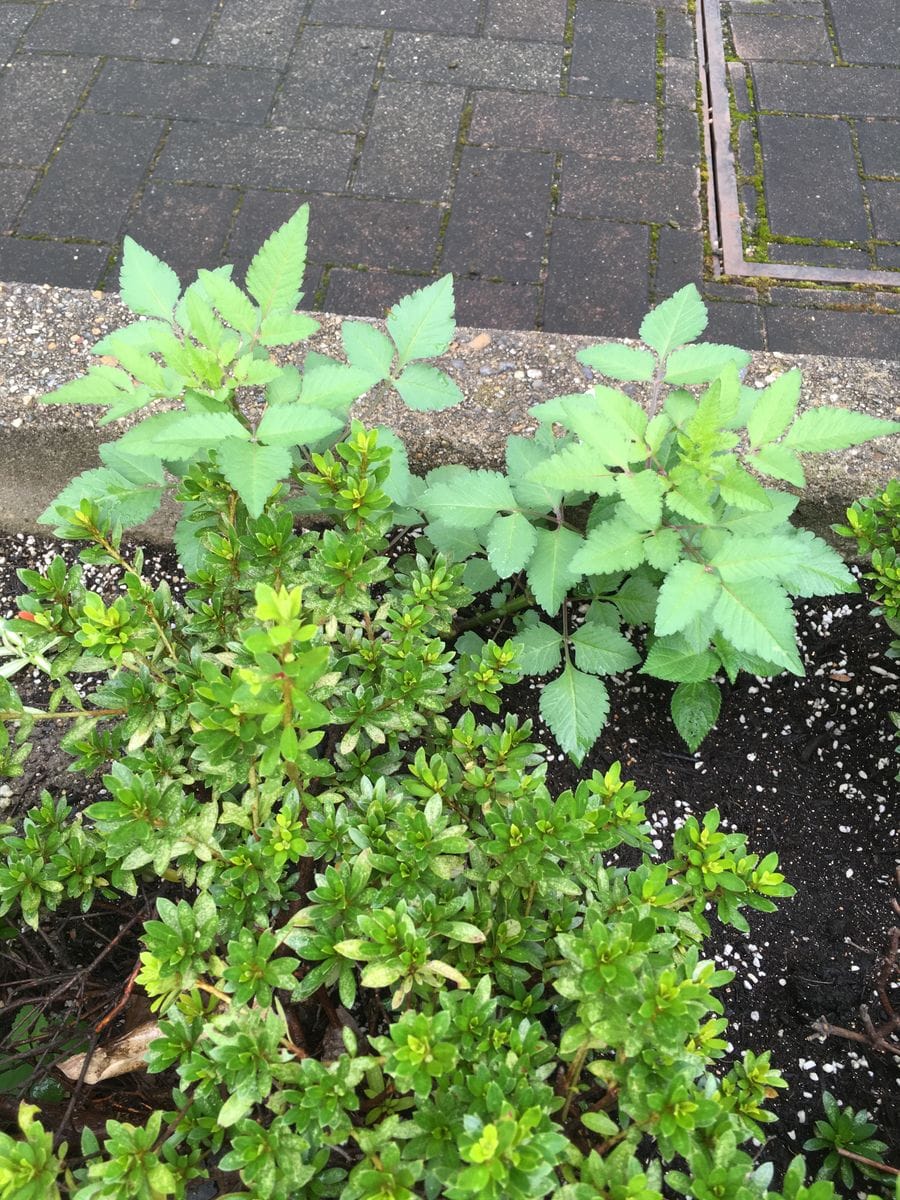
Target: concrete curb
{"type": "Point", "coordinates": [46, 334]}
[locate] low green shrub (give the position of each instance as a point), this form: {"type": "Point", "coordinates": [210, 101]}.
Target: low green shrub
{"type": "Point", "coordinates": [384, 959]}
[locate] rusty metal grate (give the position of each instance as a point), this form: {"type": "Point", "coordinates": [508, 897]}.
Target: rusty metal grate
{"type": "Point", "coordinates": [723, 207]}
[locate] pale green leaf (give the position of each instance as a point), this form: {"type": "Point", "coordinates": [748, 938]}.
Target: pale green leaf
{"type": "Point", "coordinates": [146, 284]}
{"type": "Point", "coordinates": [540, 648]}
{"type": "Point", "coordinates": [674, 658]}
{"type": "Point", "coordinates": [510, 541]}
{"type": "Point", "coordinates": [702, 363]}
{"type": "Point", "coordinates": [377, 975]}
{"type": "Point", "coordinates": [603, 650]}
{"type": "Point", "coordinates": [237, 1105]}
{"type": "Point", "coordinates": [575, 707]}
{"type": "Point", "coordinates": [193, 433]}
{"type": "Point", "coordinates": [456, 540]}
{"type": "Point", "coordinates": [752, 523]}
{"type": "Point", "coordinates": [676, 321]}
{"type": "Point", "coordinates": [643, 493]}
{"type": "Point", "coordinates": [636, 598]}
{"type": "Point", "coordinates": [662, 549]}
{"type": "Point", "coordinates": [463, 931]}
{"type": "Point", "coordinates": [285, 387]}
{"type": "Point", "coordinates": [422, 324]}
{"type": "Point", "coordinates": [297, 425]}
{"type": "Point", "coordinates": [333, 384]}
{"type": "Point", "coordinates": [141, 438]}
{"type": "Point", "coordinates": [101, 385]}
{"type": "Point", "coordinates": [275, 274]}
{"type": "Point", "coordinates": [756, 615]}
{"type": "Point", "coordinates": [688, 497]}
{"type": "Point", "coordinates": [695, 709]}
{"type": "Point", "coordinates": [765, 556]}
{"type": "Point", "coordinates": [774, 408]}
{"type": "Point", "coordinates": [426, 389]}
{"type": "Point", "coordinates": [522, 456]}
{"type": "Point", "coordinates": [743, 491]}
{"type": "Point", "coordinates": [575, 469]}
{"type": "Point", "coordinates": [400, 485]}
{"type": "Point", "coordinates": [285, 328]}
{"type": "Point", "coordinates": [688, 589]}
{"type": "Point", "coordinates": [231, 303]}
{"type": "Point", "coordinates": [253, 470]}
{"type": "Point", "coordinates": [621, 362]}
{"type": "Point", "coordinates": [143, 335]}
{"type": "Point", "coordinates": [778, 462]}
{"type": "Point", "coordinates": [823, 429]}
{"type": "Point", "coordinates": [817, 569]}
{"type": "Point", "coordinates": [610, 547]}
{"type": "Point", "coordinates": [128, 501]}
{"type": "Point", "coordinates": [478, 575]}
{"type": "Point", "coordinates": [367, 348]}
{"type": "Point", "coordinates": [467, 498]}
{"type": "Point", "coordinates": [550, 571]}
{"type": "Point", "coordinates": [611, 422]}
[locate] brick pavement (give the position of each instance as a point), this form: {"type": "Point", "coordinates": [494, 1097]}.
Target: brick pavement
{"type": "Point", "coordinates": [548, 152]}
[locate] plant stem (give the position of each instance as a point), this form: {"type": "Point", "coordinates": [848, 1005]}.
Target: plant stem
{"type": "Point", "coordinates": [486, 616]}
{"type": "Point", "coordinates": [572, 1078]}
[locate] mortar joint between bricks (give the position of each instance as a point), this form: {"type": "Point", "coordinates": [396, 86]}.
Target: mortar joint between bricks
{"type": "Point", "coordinates": [211, 26]}
{"type": "Point", "coordinates": [831, 30]}
{"type": "Point", "coordinates": [288, 63]}
{"type": "Point", "coordinates": [462, 139]}
{"type": "Point", "coordinates": [568, 47]}
{"type": "Point", "coordinates": [867, 203]}
{"type": "Point", "coordinates": [369, 107]}
{"type": "Point", "coordinates": [660, 83]}
{"type": "Point", "coordinates": [544, 267]}
{"type": "Point", "coordinates": [481, 19]}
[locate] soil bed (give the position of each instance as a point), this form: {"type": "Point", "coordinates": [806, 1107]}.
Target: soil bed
{"type": "Point", "coordinates": [805, 767]}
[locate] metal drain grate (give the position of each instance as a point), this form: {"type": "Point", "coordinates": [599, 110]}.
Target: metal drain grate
{"type": "Point", "coordinates": [723, 207]}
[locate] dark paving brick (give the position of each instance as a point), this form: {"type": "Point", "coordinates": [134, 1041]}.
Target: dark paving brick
{"type": "Point", "coordinates": [600, 187]}
{"type": "Point", "coordinates": [868, 33]}
{"type": "Point", "coordinates": [879, 144]}
{"type": "Point", "coordinates": [681, 37]}
{"type": "Point", "coordinates": [888, 258]}
{"type": "Point", "coordinates": [425, 116]}
{"type": "Point", "coordinates": [598, 278]}
{"type": "Point", "coordinates": [184, 225]}
{"type": "Point", "coordinates": [64, 265]}
{"type": "Point", "coordinates": [820, 256]}
{"type": "Point", "coordinates": [737, 74]}
{"type": "Point", "coordinates": [681, 135]}
{"type": "Point", "coordinates": [176, 90]}
{"type": "Point", "coordinates": [758, 36]}
{"type": "Point", "coordinates": [501, 207]}
{"type": "Point", "coordinates": [735, 325]}
{"type": "Point", "coordinates": [857, 91]}
{"type": "Point", "coordinates": [802, 200]}
{"type": "Point", "coordinates": [348, 231]}
{"type": "Point", "coordinates": [427, 16]}
{"type": "Point", "coordinates": [496, 305]}
{"type": "Point", "coordinates": [564, 123]}
{"type": "Point", "coordinates": [679, 260]}
{"type": "Point", "coordinates": [254, 34]}
{"type": "Point", "coordinates": [680, 80]}
{"type": "Point", "coordinates": [15, 183]}
{"type": "Point", "coordinates": [278, 158]}
{"type": "Point", "coordinates": [147, 33]}
{"type": "Point", "coordinates": [614, 56]}
{"type": "Point", "coordinates": [467, 62]}
{"type": "Point", "coordinates": [92, 179]}
{"type": "Point", "coordinates": [329, 82]}
{"type": "Point", "coordinates": [13, 19]}
{"type": "Point", "coordinates": [824, 331]}
{"type": "Point", "coordinates": [368, 293]}
{"type": "Point", "coordinates": [534, 20]}
{"type": "Point", "coordinates": [37, 96]}
{"type": "Point", "coordinates": [885, 201]}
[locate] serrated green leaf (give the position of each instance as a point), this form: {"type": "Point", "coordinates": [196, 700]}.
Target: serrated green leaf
{"type": "Point", "coordinates": [422, 324]}
{"type": "Point", "coordinates": [522, 456]}
{"type": "Point", "coordinates": [823, 429]}
{"type": "Point", "coordinates": [752, 523]}
{"type": "Point", "coordinates": [127, 501]}
{"type": "Point", "coordinates": [275, 274]}
{"type": "Point", "coordinates": [676, 321]}
{"type": "Point", "coordinates": [602, 650]}
{"type": "Point", "coordinates": [816, 569]}
{"type": "Point", "coordinates": [467, 498]}
{"type": "Point", "coordinates": [141, 438]}
{"type": "Point", "coordinates": [575, 707]}
{"type": "Point", "coordinates": [550, 572]}
{"type": "Point", "coordinates": [400, 485]}
{"type": "Point", "coordinates": [674, 658]}
{"type": "Point", "coordinates": [540, 649]}
{"type": "Point", "coordinates": [774, 408]}
{"type": "Point", "coordinates": [688, 590]}
{"type": "Point", "coordinates": [510, 541]}
{"type": "Point", "coordinates": [743, 491]}
{"type": "Point", "coordinates": [621, 362]}
{"type": "Point", "coordinates": [426, 389]}
{"type": "Point", "coordinates": [231, 303]}
{"type": "Point", "coordinates": [742, 558]}
{"type": "Point", "coordinates": [143, 335]}
{"type": "Point", "coordinates": [662, 549]}
{"type": "Point", "coordinates": [756, 615]}
{"type": "Point", "coordinates": [333, 384]}
{"type": "Point", "coordinates": [643, 493]}
{"type": "Point", "coordinates": [575, 469]}
{"type": "Point", "coordinates": [146, 284]}
{"type": "Point", "coordinates": [285, 387]}
{"type": "Point", "coordinates": [367, 348]}
{"type": "Point", "coordinates": [101, 385]}
{"type": "Point", "coordinates": [297, 425]}
{"type": "Point", "coordinates": [193, 433]}
{"type": "Point", "coordinates": [610, 547]}
{"type": "Point", "coordinates": [253, 470]}
{"type": "Point", "coordinates": [636, 598]}
{"type": "Point", "coordinates": [137, 468]}
{"type": "Point", "coordinates": [695, 709]}
{"type": "Point", "coordinates": [611, 423]}
{"type": "Point", "coordinates": [457, 541]}
{"type": "Point", "coordinates": [478, 575]}
{"type": "Point", "coordinates": [702, 363]}
{"type": "Point", "coordinates": [778, 462]}
{"type": "Point", "coordinates": [285, 328]}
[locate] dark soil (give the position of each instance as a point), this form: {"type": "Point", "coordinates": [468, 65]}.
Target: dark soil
{"type": "Point", "coordinates": [805, 767]}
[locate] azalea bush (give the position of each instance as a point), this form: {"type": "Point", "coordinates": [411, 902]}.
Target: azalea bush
{"type": "Point", "coordinates": [382, 957]}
